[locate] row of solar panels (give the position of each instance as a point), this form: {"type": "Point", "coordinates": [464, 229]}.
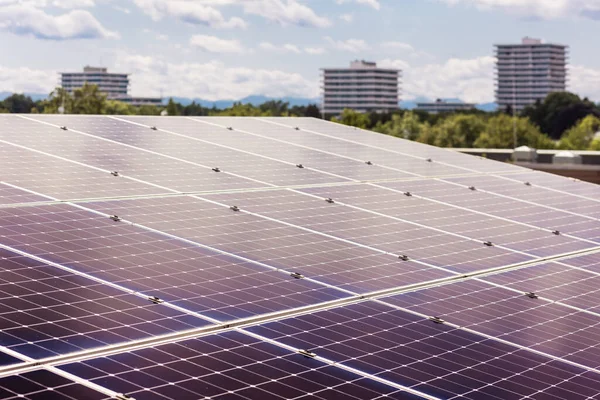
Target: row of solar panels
{"type": "Point", "coordinates": [167, 263]}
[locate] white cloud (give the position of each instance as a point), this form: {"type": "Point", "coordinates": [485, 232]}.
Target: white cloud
{"type": "Point", "coordinates": [347, 17]}
{"type": "Point", "coordinates": [286, 48]}
{"type": "Point", "coordinates": [471, 80]}
{"type": "Point", "coordinates": [351, 45]}
{"type": "Point", "coordinates": [372, 3]}
{"type": "Point", "coordinates": [213, 44]}
{"type": "Point", "coordinates": [314, 50]}
{"type": "Point", "coordinates": [584, 81]}
{"type": "Point", "coordinates": [211, 81]}
{"type": "Point", "coordinates": [397, 46]}
{"type": "Point", "coordinates": [547, 9]}
{"type": "Point", "coordinates": [193, 12]}
{"type": "Point", "coordinates": [19, 80]}
{"type": "Point", "coordinates": [285, 12]}
{"type": "Point", "coordinates": [73, 3]}
{"type": "Point", "coordinates": [122, 9]}
{"type": "Point", "coordinates": [26, 20]}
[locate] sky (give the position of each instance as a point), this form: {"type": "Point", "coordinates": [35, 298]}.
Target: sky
{"type": "Point", "coordinates": [230, 49]}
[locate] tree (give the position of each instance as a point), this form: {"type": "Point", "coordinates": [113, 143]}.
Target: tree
{"type": "Point", "coordinates": [172, 108]}
{"type": "Point", "coordinates": [499, 134]}
{"type": "Point", "coordinates": [275, 108]}
{"type": "Point", "coordinates": [580, 136]}
{"type": "Point", "coordinates": [88, 100]}
{"type": "Point", "coordinates": [559, 112]}
{"type": "Point", "coordinates": [114, 107]}
{"type": "Point", "coordinates": [312, 110]}
{"type": "Point", "coordinates": [18, 103]}
{"type": "Point", "coordinates": [148, 109]}
{"type": "Point", "coordinates": [407, 125]}
{"type": "Point", "coordinates": [353, 118]}
{"type": "Point", "coordinates": [59, 97]}
{"type": "Point", "coordinates": [459, 130]}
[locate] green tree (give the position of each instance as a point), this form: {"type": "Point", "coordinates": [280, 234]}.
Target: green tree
{"type": "Point", "coordinates": [580, 136]}
{"type": "Point", "coordinates": [114, 107]}
{"type": "Point", "coordinates": [172, 108]}
{"type": "Point", "coordinates": [88, 100]}
{"type": "Point", "coordinates": [18, 103]}
{"type": "Point", "coordinates": [353, 118]}
{"type": "Point", "coordinates": [407, 125]}
{"type": "Point", "coordinates": [276, 108]}
{"type": "Point", "coordinates": [499, 134]}
{"type": "Point", "coordinates": [312, 110]}
{"type": "Point", "coordinates": [148, 109]}
{"type": "Point", "coordinates": [559, 112]}
{"type": "Point", "coordinates": [459, 130]}
{"type": "Point", "coordinates": [59, 97]}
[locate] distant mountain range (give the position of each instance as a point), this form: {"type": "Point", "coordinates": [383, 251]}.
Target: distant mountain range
{"type": "Point", "coordinates": [259, 99]}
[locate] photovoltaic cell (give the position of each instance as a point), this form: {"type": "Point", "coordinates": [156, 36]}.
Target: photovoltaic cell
{"type": "Point", "coordinates": [92, 152]}
{"type": "Point", "coordinates": [45, 385]}
{"type": "Point", "coordinates": [254, 142]}
{"type": "Point", "coordinates": [315, 256]}
{"type": "Point", "coordinates": [556, 282]}
{"type": "Point", "coordinates": [590, 262]}
{"type": "Point", "coordinates": [46, 311]}
{"type": "Point", "coordinates": [535, 194]}
{"type": "Point", "coordinates": [433, 358]}
{"type": "Point", "coordinates": [266, 171]}
{"type": "Point", "coordinates": [404, 165]}
{"type": "Point", "coordinates": [227, 366]}
{"type": "Point", "coordinates": [546, 180]}
{"type": "Point", "coordinates": [533, 323]}
{"type": "Point", "coordinates": [511, 208]}
{"type": "Point", "coordinates": [62, 179]}
{"type": "Point", "coordinates": [393, 144]}
{"type": "Point", "coordinates": [10, 195]}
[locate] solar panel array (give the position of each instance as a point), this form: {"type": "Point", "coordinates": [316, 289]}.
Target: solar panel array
{"type": "Point", "coordinates": [286, 258]}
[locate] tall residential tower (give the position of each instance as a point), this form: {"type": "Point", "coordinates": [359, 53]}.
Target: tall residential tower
{"type": "Point", "coordinates": [528, 72]}
{"type": "Point", "coordinates": [363, 87]}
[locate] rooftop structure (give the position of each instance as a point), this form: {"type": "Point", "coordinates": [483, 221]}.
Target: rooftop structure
{"type": "Point", "coordinates": [529, 71]}
{"type": "Point", "coordinates": [363, 87]}
{"type": "Point", "coordinates": [114, 85]}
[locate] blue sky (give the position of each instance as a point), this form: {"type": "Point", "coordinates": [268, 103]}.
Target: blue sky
{"type": "Point", "coordinates": [229, 49]}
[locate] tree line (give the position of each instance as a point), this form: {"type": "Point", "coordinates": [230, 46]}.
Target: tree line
{"type": "Point", "coordinates": [561, 121]}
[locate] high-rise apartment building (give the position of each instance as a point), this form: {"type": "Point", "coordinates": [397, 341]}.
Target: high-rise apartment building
{"type": "Point", "coordinates": [528, 72]}
{"type": "Point", "coordinates": [115, 86]}
{"type": "Point", "coordinates": [363, 87]}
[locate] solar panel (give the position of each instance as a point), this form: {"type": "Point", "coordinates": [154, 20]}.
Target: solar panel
{"type": "Point", "coordinates": [279, 258]}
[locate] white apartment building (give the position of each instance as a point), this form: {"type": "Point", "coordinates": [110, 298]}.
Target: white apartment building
{"type": "Point", "coordinates": [528, 72]}
{"type": "Point", "coordinates": [115, 86]}
{"type": "Point", "coordinates": [363, 87]}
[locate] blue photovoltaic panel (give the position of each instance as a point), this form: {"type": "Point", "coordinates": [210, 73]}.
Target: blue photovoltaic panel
{"type": "Point", "coordinates": [44, 385]}
{"type": "Point", "coordinates": [46, 311]}
{"type": "Point", "coordinates": [217, 285]}
{"type": "Point", "coordinates": [532, 214]}
{"type": "Point", "coordinates": [556, 282]}
{"type": "Point", "coordinates": [535, 194]}
{"type": "Point", "coordinates": [186, 149]}
{"type": "Point", "coordinates": [254, 142]}
{"type": "Point", "coordinates": [433, 358]}
{"type": "Point", "coordinates": [83, 281]}
{"type": "Point", "coordinates": [62, 179]}
{"type": "Point", "coordinates": [227, 366]}
{"type": "Point", "coordinates": [313, 255]}
{"type": "Point", "coordinates": [390, 151]}
{"type": "Point", "coordinates": [10, 195]}
{"type": "Point", "coordinates": [550, 181]}
{"type": "Point", "coordinates": [403, 165]}
{"type": "Point", "coordinates": [93, 152]}
{"type": "Point", "coordinates": [536, 324]}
